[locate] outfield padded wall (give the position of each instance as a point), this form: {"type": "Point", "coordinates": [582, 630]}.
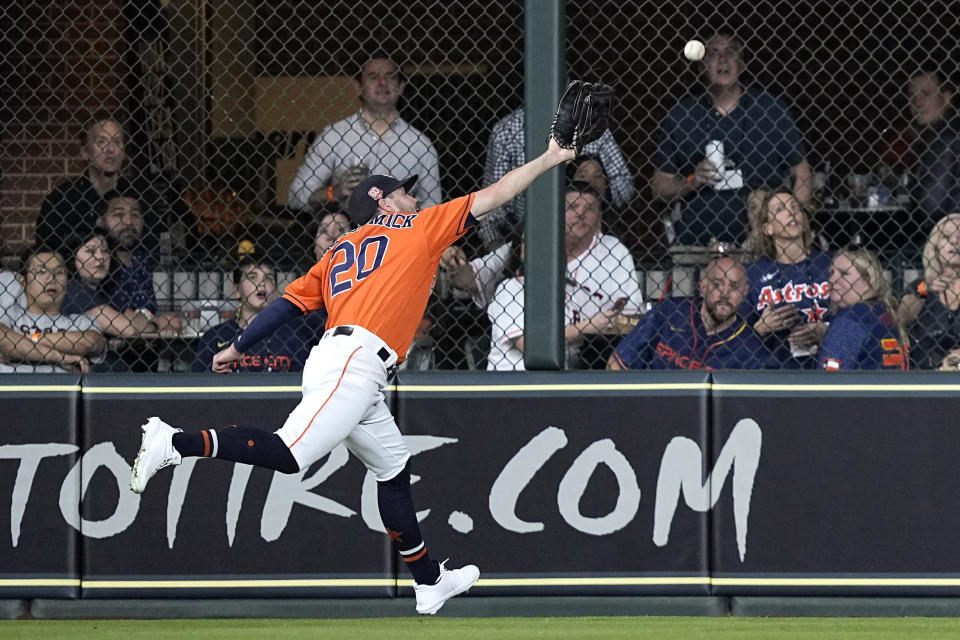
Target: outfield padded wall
{"type": "Point", "coordinates": [40, 477]}
{"type": "Point", "coordinates": [687, 483]}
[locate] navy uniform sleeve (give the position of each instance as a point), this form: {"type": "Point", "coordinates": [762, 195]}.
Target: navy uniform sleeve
{"type": "Point", "coordinates": [843, 343]}
{"type": "Point", "coordinates": [633, 352]}
{"type": "Point", "coordinates": [277, 313]}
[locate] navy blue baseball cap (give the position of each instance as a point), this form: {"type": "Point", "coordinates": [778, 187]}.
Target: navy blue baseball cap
{"type": "Point", "coordinates": [363, 201]}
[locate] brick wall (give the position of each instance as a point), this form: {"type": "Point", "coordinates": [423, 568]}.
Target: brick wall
{"type": "Point", "coordinates": [66, 62]}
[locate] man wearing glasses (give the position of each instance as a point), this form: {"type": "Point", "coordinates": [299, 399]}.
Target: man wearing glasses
{"type": "Point", "coordinates": [37, 338]}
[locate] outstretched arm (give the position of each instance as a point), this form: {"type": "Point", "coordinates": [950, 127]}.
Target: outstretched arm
{"type": "Point", "coordinates": [581, 117]}
{"type": "Point", "coordinates": [516, 181]}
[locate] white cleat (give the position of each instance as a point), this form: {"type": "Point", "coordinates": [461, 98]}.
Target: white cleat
{"type": "Point", "coordinates": [156, 452]}
{"type": "Point", "coordinates": [452, 582]}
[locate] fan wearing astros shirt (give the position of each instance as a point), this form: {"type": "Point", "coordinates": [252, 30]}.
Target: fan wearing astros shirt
{"type": "Point", "coordinates": [374, 283]}
{"type": "Point", "coordinates": [864, 333]}
{"type": "Point", "coordinates": [697, 333]}
{"type": "Point", "coordinates": [788, 301]}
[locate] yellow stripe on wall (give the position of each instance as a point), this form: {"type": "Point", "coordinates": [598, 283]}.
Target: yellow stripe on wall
{"type": "Point", "coordinates": [40, 582]}
{"type": "Point", "coordinates": [835, 582]}
{"type": "Point", "coordinates": [554, 387]}
{"type": "Point", "coordinates": [168, 390]}
{"type": "Point", "coordinates": [497, 582]}
{"type": "Point", "coordinates": [236, 584]}
{"type": "Point", "coordinates": [902, 388]}
{"type": "Point", "coordinates": [413, 388]}
{"type": "Point", "coordinates": [36, 388]}
{"type": "Point", "coordinates": [506, 388]}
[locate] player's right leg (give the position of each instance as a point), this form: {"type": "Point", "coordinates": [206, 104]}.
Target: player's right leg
{"type": "Point", "coordinates": [379, 444]}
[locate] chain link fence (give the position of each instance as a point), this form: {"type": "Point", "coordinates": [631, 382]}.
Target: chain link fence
{"type": "Point", "coordinates": [787, 201]}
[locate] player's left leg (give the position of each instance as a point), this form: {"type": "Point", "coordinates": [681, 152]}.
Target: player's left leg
{"type": "Point", "coordinates": [164, 445]}
{"type": "Point", "coordinates": [379, 444]}
{"type": "Point", "coordinates": [337, 393]}
{"type": "Point", "coordinates": [248, 445]}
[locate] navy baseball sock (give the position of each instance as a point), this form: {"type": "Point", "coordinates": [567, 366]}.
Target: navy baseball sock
{"type": "Point", "coordinates": [240, 444]}
{"type": "Point", "coordinates": [400, 518]}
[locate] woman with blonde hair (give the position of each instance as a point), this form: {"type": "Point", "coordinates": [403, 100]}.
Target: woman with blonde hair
{"type": "Point", "coordinates": [864, 333]}
{"type": "Point", "coordinates": [787, 302]}
{"type": "Point", "coordinates": [931, 308]}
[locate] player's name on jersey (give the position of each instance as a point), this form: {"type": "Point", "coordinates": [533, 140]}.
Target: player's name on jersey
{"type": "Point", "coordinates": [394, 220]}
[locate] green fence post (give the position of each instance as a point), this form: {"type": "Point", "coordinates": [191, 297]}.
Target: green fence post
{"type": "Point", "coordinates": [545, 22]}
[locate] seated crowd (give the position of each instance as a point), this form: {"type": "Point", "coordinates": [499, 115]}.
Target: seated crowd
{"type": "Point", "coordinates": [770, 293]}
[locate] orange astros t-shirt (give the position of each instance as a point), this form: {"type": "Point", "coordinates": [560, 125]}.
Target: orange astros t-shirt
{"type": "Point", "coordinates": [380, 275]}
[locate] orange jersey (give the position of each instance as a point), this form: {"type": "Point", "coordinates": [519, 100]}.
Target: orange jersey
{"type": "Point", "coordinates": [380, 275]}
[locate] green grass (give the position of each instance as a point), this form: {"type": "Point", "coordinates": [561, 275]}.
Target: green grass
{"type": "Point", "coordinates": [661, 628]}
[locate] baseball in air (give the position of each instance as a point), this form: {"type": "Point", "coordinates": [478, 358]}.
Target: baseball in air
{"type": "Point", "coordinates": [694, 50]}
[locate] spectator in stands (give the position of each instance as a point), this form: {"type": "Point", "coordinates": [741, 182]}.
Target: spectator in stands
{"type": "Point", "coordinates": [330, 227]}
{"type": "Point", "coordinates": [951, 362]}
{"type": "Point", "coordinates": [930, 307]}
{"type": "Point", "coordinates": [589, 168]}
{"type": "Point", "coordinates": [788, 298]}
{"type": "Point", "coordinates": [373, 140]}
{"type": "Point", "coordinates": [697, 333]}
{"type": "Point", "coordinates": [505, 151]}
{"type": "Point", "coordinates": [37, 337]}
{"type": "Point", "coordinates": [70, 210]}
{"type": "Point", "coordinates": [285, 350]}
{"type": "Point", "coordinates": [131, 278]}
{"type": "Point", "coordinates": [601, 286]}
{"type": "Point", "coordinates": [587, 249]}
{"type": "Point", "coordinates": [864, 333]}
{"type": "Point", "coordinates": [936, 168]}
{"type": "Point", "coordinates": [761, 146]}
{"type": "Point", "coordinates": [88, 290]}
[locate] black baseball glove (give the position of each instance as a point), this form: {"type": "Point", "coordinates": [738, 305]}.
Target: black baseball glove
{"type": "Point", "coordinates": [582, 115]}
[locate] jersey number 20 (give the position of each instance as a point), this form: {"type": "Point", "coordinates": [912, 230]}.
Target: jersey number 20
{"type": "Point", "coordinates": [355, 257]}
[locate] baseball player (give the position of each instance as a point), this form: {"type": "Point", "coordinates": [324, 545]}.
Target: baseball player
{"type": "Point", "coordinates": [374, 283]}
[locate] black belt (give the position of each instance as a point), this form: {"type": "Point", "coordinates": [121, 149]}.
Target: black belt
{"type": "Point", "coordinates": [346, 330]}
